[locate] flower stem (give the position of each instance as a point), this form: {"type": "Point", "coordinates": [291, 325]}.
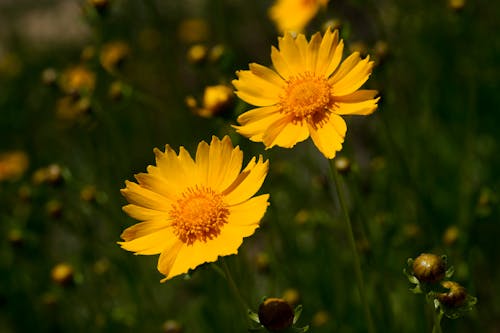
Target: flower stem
{"type": "Point", "coordinates": [350, 235]}
{"type": "Point", "coordinates": [232, 285]}
{"type": "Point", "coordinates": [438, 314]}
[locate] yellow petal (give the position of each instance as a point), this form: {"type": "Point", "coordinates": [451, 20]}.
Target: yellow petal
{"type": "Point", "coordinates": [285, 133]}
{"type": "Point", "coordinates": [250, 211]}
{"type": "Point", "coordinates": [312, 52]}
{"type": "Point", "coordinates": [153, 243]}
{"type": "Point", "coordinates": [143, 229]}
{"type": "Point", "coordinates": [347, 65]}
{"type": "Point", "coordinates": [225, 163]}
{"type": "Point", "coordinates": [357, 96]}
{"type": "Point", "coordinates": [329, 138]}
{"type": "Point", "coordinates": [247, 183]}
{"type": "Point", "coordinates": [140, 196]}
{"type": "Point", "coordinates": [227, 243]}
{"type": "Point", "coordinates": [255, 122]}
{"type": "Point", "coordinates": [291, 54]}
{"type": "Point", "coordinates": [257, 114]}
{"type": "Point", "coordinates": [255, 98]}
{"type": "Point", "coordinates": [202, 161]}
{"type": "Point", "coordinates": [354, 79]}
{"type": "Point", "coordinates": [361, 108]}
{"type": "Point", "coordinates": [254, 85]}
{"type": "Point", "coordinates": [157, 184]}
{"type": "Point", "coordinates": [189, 167]}
{"type": "Point", "coordinates": [267, 74]}
{"type": "Point", "coordinates": [302, 44]}
{"type": "Point", "coordinates": [168, 258]}
{"type": "Point", "coordinates": [171, 169]}
{"type": "Point", "coordinates": [335, 60]}
{"type": "Point", "coordinates": [280, 64]}
{"type": "Point", "coordinates": [327, 53]}
{"type": "Point", "coordinates": [144, 214]}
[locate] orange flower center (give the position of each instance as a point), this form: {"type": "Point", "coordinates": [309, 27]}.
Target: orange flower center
{"type": "Point", "coordinates": [198, 215]}
{"type": "Point", "coordinates": [307, 97]}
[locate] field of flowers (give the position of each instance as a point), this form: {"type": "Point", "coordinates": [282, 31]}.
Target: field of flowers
{"type": "Point", "coordinates": [274, 165]}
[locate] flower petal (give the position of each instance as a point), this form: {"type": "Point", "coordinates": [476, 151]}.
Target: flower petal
{"type": "Point", "coordinates": [280, 63]}
{"type": "Point", "coordinates": [335, 59]}
{"type": "Point", "coordinates": [141, 196]}
{"type": "Point", "coordinates": [225, 163]}
{"type": "Point", "coordinates": [328, 52]}
{"type": "Point", "coordinates": [152, 243]}
{"type": "Point", "coordinates": [357, 96]}
{"type": "Point", "coordinates": [255, 122]}
{"type": "Point", "coordinates": [291, 54]}
{"type": "Point", "coordinates": [285, 133]}
{"type": "Point", "coordinates": [347, 65]}
{"type": "Point", "coordinates": [250, 211]}
{"type": "Point", "coordinates": [267, 74]}
{"type": "Point", "coordinates": [329, 138]}
{"type": "Point", "coordinates": [168, 258]}
{"type": "Point", "coordinates": [361, 108]}
{"type": "Point", "coordinates": [254, 85]}
{"type": "Point", "coordinates": [202, 161]}
{"type": "Point", "coordinates": [143, 214]}
{"type": "Point", "coordinates": [144, 228]}
{"type": "Point", "coordinates": [353, 80]}
{"type": "Point", "coordinates": [248, 182]}
{"type": "Point", "coordinates": [156, 184]}
{"type": "Point", "coordinates": [312, 52]}
{"type": "Point", "coordinates": [226, 243]}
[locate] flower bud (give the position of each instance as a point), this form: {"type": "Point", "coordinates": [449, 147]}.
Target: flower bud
{"type": "Point", "coordinates": [321, 318]}
{"type": "Point", "coordinates": [456, 4]}
{"type": "Point", "coordinates": [429, 268]}
{"type": "Point", "coordinates": [451, 235]}
{"type": "Point", "coordinates": [275, 314]}
{"type": "Point", "coordinates": [113, 55]}
{"type": "Point", "coordinates": [456, 295]}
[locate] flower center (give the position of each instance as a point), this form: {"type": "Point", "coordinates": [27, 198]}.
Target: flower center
{"type": "Point", "coordinates": [198, 215]}
{"type": "Point", "coordinates": [307, 97]}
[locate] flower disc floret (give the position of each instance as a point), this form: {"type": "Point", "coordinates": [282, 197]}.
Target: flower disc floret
{"type": "Point", "coordinates": [198, 215]}
{"type": "Point", "coordinates": [306, 96]}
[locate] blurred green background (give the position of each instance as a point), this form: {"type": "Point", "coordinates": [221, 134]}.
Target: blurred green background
{"type": "Point", "coordinates": [424, 175]}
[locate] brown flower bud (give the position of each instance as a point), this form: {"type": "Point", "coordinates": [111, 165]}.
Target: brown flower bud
{"type": "Point", "coordinates": [275, 314]}
{"type": "Point", "coordinates": [429, 267]}
{"type": "Point", "coordinates": [456, 295]}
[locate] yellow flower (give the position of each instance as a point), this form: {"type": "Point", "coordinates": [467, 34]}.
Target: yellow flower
{"type": "Point", "coordinates": [194, 210]}
{"type": "Point", "coordinates": [77, 79]}
{"type": "Point", "coordinates": [113, 54]}
{"type": "Point", "coordinates": [306, 95]}
{"type": "Point", "coordinates": [293, 15]}
{"type": "Point", "coordinates": [13, 164]}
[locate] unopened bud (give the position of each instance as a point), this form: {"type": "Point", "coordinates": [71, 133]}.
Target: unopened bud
{"type": "Point", "coordinates": [429, 268]}
{"type": "Point", "coordinates": [456, 295]}
{"type": "Point", "coordinates": [275, 314]}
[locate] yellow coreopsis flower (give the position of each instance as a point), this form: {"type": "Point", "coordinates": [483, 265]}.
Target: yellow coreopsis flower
{"type": "Point", "coordinates": [293, 15]}
{"type": "Point", "coordinates": [306, 94]}
{"type": "Point", "coordinates": [194, 210]}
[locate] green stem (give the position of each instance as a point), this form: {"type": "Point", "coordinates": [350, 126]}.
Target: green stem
{"type": "Point", "coordinates": [350, 235]}
{"type": "Point", "coordinates": [232, 285]}
{"type": "Point", "coordinates": [438, 314]}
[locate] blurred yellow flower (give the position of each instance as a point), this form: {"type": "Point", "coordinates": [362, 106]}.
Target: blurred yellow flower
{"type": "Point", "coordinates": [216, 101]}
{"type": "Point", "coordinates": [13, 164]}
{"type": "Point", "coordinates": [194, 210]}
{"type": "Point", "coordinates": [306, 95]}
{"type": "Point", "coordinates": [113, 54]}
{"type": "Point", "coordinates": [293, 15]}
{"type": "Point", "coordinates": [77, 79]}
